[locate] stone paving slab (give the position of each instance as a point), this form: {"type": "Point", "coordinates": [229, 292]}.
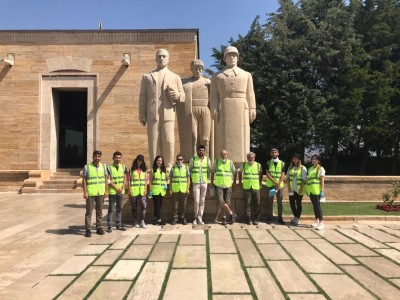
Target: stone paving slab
{"type": "Point", "coordinates": [264, 284]}
{"type": "Point", "coordinates": [341, 287]}
{"type": "Point", "coordinates": [138, 252]}
{"type": "Point", "coordinates": [194, 256]}
{"type": "Point", "coordinates": [394, 245]}
{"type": "Point", "coordinates": [333, 253]}
{"type": "Point", "coordinates": [49, 287]}
{"type": "Point", "coordinates": [391, 253]}
{"type": "Point", "coordinates": [310, 259]}
{"type": "Point", "coordinates": [123, 242]}
{"type": "Point", "coordinates": [193, 239]}
{"type": "Point", "coordinates": [392, 232]}
{"type": "Point", "coordinates": [396, 282]}
{"type": "Point", "coordinates": [81, 287]}
{"type": "Point", "coordinates": [226, 274]}
{"type": "Point", "coordinates": [285, 235]}
{"type": "Point", "coordinates": [373, 282]}
{"type": "Point", "coordinates": [307, 234]}
{"type": "Point", "coordinates": [383, 266]}
{"type": "Point", "coordinates": [181, 279]}
{"type": "Point", "coordinates": [148, 285]}
{"type": "Point", "coordinates": [334, 237]}
{"type": "Point", "coordinates": [291, 277]}
{"type": "Point", "coordinates": [306, 297]}
{"type": "Point", "coordinates": [363, 239]}
{"type": "Point", "coordinates": [93, 250]}
{"type": "Point", "coordinates": [380, 236]}
{"type": "Point", "coordinates": [74, 265]}
{"type": "Point", "coordinates": [221, 241]}
{"type": "Point", "coordinates": [110, 290]}
{"type": "Point", "coordinates": [249, 254]}
{"type": "Point", "coordinates": [108, 258]}
{"type": "Point", "coordinates": [262, 237]}
{"type": "Point", "coordinates": [273, 252]}
{"type": "Point", "coordinates": [232, 297]}
{"type": "Point", "coordinates": [356, 250]}
{"type": "Point", "coordinates": [168, 238]}
{"type": "Point", "coordinates": [104, 239]}
{"type": "Point", "coordinates": [162, 252]}
{"type": "Point", "coordinates": [146, 239]}
{"type": "Point", "coordinates": [125, 270]}
{"type": "Point", "coordinates": [240, 234]}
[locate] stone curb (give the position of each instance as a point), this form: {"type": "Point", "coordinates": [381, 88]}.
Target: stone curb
{"type": "Point", "coordinates": [350, 218]}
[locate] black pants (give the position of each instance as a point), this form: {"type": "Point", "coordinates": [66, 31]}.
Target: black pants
{"type": "Point", "coordinates": [317, 206]}
{"type": "Point", "coordinates": [295, 204]}
{"type": "Point", "coordinates": [158, 199]}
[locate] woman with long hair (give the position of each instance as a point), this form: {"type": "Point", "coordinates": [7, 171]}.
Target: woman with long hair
{"type": "Point", "coordinates": [138, 181]}
{"type": "Point", "coordinates": [297, 179]}
{"type": "Point", "coordinates": [158, 187]}
{"type": "Point", "coordinates": [315, 189]}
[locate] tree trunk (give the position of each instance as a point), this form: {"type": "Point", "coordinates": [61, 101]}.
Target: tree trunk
{"type": "Point", "coordinates": [364, 157]}
{"type": "Point", "coordinates": [334, 158]}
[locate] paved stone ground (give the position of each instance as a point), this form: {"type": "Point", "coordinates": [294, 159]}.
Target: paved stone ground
{"type": "Point", "coordinates": [44, 255]}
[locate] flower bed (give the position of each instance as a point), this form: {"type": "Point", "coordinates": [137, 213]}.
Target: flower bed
{"type": "Point", "coordinates": [388, 207]}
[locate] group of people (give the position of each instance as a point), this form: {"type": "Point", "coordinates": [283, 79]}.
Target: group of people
{"type": "Point", "coordinates": [101, 181]}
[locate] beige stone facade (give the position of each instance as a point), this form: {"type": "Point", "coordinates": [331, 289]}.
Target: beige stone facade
{"type": "Point", "coordinates": [89, 61]}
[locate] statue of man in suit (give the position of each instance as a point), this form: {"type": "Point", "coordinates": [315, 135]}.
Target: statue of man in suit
{"type": "Point", "coordinates": [160, 91]}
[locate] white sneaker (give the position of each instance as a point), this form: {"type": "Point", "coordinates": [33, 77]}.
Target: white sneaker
{"type": "Point", "coordinates": [194, 222]}
{"type": "Point", "coordinates": [293, 221]}
{"type": "Point", "coordinates": [200, 221]}
{"type": "Point", "coordinates": [143, 225]}
{"type": "Point", "coordinates": [297, 221]}
{"type": "Point", "coordinates": [136, 224]}
{"type": "Point", "coordinates": [321, 226]}
{"type": "Point", "coordinates": [315, 224]}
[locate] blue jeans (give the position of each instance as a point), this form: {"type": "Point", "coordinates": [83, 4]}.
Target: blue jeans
{"type": "Point", "coordinates": [115, 199]}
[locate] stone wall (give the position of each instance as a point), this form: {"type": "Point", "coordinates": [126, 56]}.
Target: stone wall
{"type": "Point", "coordinates": [73, 54]}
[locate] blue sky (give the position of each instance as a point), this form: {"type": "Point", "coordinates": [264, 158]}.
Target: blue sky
{"type": "Point", "coordinates": [217, 20]}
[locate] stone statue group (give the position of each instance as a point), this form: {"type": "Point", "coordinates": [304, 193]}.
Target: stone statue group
{"type": "Point", "coordinates": [215, 113]}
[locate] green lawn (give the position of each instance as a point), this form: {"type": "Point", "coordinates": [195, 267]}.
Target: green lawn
{"type": "Point", "coordinates": [341, 209]}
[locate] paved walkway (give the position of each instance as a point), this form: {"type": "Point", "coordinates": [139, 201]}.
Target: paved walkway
{"type": "Point", "coordinates": [44, 255]}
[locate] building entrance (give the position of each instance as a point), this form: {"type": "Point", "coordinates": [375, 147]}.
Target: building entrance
{"type": "Point", "coordinates": [72, 127]}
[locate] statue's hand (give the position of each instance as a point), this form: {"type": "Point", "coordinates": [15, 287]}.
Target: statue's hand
{"type": "Point", "coordinates": [214, 114]}
{"type": "Point", "coordinates": [172, 95]}
{"type": "Point", "coordinates": [142, 121]}
{"type": "Point", "coordinates": [252, 115]}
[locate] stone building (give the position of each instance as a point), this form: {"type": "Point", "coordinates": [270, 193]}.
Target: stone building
{"type": "Point", "coordinates": [65, 93]}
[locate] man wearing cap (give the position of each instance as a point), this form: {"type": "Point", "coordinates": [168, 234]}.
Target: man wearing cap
{"type": "Point", "coordinates": [233, 107]}
{"type": "Point", "coordinates": [160, 91]}
{"type": "Point", "coordinates": [197, 96]}
{"type": "Point", "coordinates": [275, 176]}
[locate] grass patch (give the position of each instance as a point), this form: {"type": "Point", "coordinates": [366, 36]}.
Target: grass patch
{"type": "Point", "coordinates": [341, 209]}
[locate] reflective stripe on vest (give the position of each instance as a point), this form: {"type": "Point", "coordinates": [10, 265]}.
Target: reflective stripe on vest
{"type": "Point", "coordinates": [138, 183]}
{"type": "Point", "coordinates": [179, 179]}
{"type": "Point", "coordinates": [117, 177]}
{"type": "Point", "coordinates": [298, 174]}
{"type": "Point", "coordinates": [195, 173]}
{"type": "Point", "coordinates": [314, 180]}
{"type": "Point", "coordinates": [95, 179]}
{"type": "Point", "coordinates": [223, 174]}
{"type": "Point", "coordinates": [158, 182]}
{"type": "Point", "coordinates": [251, 176]}
{"type": "Point", "coordinates": [275, 172]}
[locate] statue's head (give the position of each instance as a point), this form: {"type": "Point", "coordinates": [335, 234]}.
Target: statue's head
{"type": "Point", "coordinates": [231, 56]}
{"type": "Point", "coordinates": [197, 67]}
{"type": "Point", "coordinates": [162, 58]}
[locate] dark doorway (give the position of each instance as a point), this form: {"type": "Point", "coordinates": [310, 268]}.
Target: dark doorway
{"type": "Point", "coordinates": [72, 127]}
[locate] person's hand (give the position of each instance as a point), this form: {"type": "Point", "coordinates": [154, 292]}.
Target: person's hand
{"type": "Point", "coordinates": [106, 194]}
{"type": "Point", "coordinates": [85, 195]}
{"type": "Point", "coordinates": [187, 191]}
{"type": "Point", "coordinates": [252, 114]}
{"type": "Point", "coordinates": [322, 194]}
{"type": "Point", "coordinates": [214, 114]}
{"type": "Point", "coordinates": [277, 185]}
{"type": "Point", "coordinates": [170, 193]}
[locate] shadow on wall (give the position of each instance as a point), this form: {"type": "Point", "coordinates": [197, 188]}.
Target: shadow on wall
{"type": "Point", "coordinates": [4, 72]}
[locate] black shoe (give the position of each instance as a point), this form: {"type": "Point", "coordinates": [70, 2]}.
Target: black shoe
{"type": "Point", "coordinates": [223, 221]}
{"type": "Point", "coordinates": [161, 223]}
{"type": "Point", "coordinates": [184, 221]}
{"type": "Point", "coordinates": [280, 221]}
{"type": "Point", "coordinates": [88, 233]}
{"type": "Point", "coordinates": [100, 231]}
{"type": "Point", "coordinates": [109, 229]}
{"type": "Point", "coordinates": [232, 218]}
{"type": "Point", "coordinates": [122, 228]}
{"type": "Point", "coordinates": [248, 221]}
{"type": "Point", "coordinates": [269, 221]}
{"type": "Point", "coordinates": [154, 222]}
{"type": "Point", "coordinates": [255, 222]}
{"type": "Point", "coordinates": [174, 221]}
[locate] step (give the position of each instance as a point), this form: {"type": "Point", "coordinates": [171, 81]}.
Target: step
{"type": "Point", "coordinates": [57, 191]}
{"type": "Point", "coordinates": [60, 181]}
{"type": "Point", "coordinates": [57, 186]}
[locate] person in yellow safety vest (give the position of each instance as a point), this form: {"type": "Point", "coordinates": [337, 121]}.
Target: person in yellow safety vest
{"type": "Point", "coordinates": [95, 189]}
{"type": "Point", "coordinates": [251, 172]}
{"type": "Point", "coordinates": [199, 167]}
{"type": "Point", "coordinates": [275, 176]}
{"type": "Point", "coordinates": [223, 173]}
{"type": "Point", "coordinates": [116, 189]}
{"type": "Point", "coordinates": [158, 187]}
{"type": "Point", "coordinates": [179, 184]}
{"type": "Point", "coordinates": [138, 182]}
{"type": "Point", "coordinates": [315, 189]}
{"type": "Point", "coordinates": [297, 176]}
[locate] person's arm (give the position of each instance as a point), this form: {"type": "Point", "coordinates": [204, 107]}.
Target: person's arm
{"type": "Point", "coordinates": [121, 190]}
{"type": "Point", "coordinates": [260, 174]}
{"type": "Point", "coordinates": [85, 192]}
{"type": "Point", "coordinates": [171, 175]}
{"type": "Point", "coordinates": [213, 169]}
{"type": "Point", "coordinates": [303, 179]}
{"type": "Point", "coordinates": [240, 173]}
{"type": "Point", "coordinates": [146, 183]}
{"type": "Point", "coordinates": [150, 180]}
{"type": "Point", "coordinates": [322, 179]}
{"type": "Point", "coordinates": [129, 185]}
{"type": "Point", "coordinates": [106, 177]}
{"type": "Point", "coordinates": [188, 182]}
{"type": "Point", "coordinates": [282, 178]}
{"type": "Point", "coordinates": [233, 170]}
